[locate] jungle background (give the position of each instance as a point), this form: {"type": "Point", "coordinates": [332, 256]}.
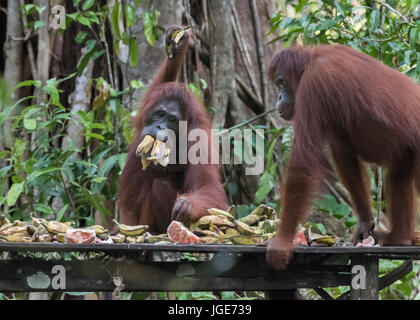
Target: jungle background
{"type": "Point", "coordinates": [67, 98]}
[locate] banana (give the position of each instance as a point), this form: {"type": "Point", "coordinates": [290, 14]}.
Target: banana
{"type": "Point", "coordinates": [218, 212]}
{"type": "Point", "coordinates": [207, 221]}
{"type": "Point", "coordinates": [156, 239]}
{"type": "Point", "coordinates": [39, 222]}
{"type": "Point", "coordinates": [3, 220]}
{"type": "Point", "coordinates": [246, 230]}
{"type": "Point", "coordinates": [233, 211]}
{"type": "Point", "coordinates": [16, 238]}
{"type": "Point", "coordinates": [56, 227]}
{"type": "Point", "coordinates": [60, 237]}
{"type": "Point", "coordinates": [268, 226]}
{"type": "Point", "coordinates": [119, 238]}
{"type": "Point", "coordinates": [265, 212]}
{"type": "Point", "coordinates": [176, 36]}
{"type": "Point", "coordinates": [145, 163]}
{"type": "Point", "coordinates": [250, 219]}
{"type": "Point", "coordinates": [247, 240]}
{"type": "Point", "coordinates": [231, 232]}
{"type": "Point", "coordinates": [158, 151]}
{"type": "Point", "coordinates": [130, 240]}
{"type": "Point", "coordinates": [208, 240]}
{"type": "Point", "coordinates": [205, 233]}
{"type": "Point", "coordinates": [131, 231]}
{"type": "Point", "coordinates": [145, 146]}
{"type": "Point", "coordinates": [99, 230]}
{"type": "Point", "coordinates": [46, 237]}
{"type": "Point", "coordinates": [14, 230]}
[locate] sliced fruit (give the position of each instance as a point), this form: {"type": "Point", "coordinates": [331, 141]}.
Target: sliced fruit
{"type": "Point", "coordinates": [178, 233]}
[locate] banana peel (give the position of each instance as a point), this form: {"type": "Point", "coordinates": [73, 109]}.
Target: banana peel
{"type": "Point", "coordinates": [131, 231]}
{"type": "Point", "coordinates": [157, 239]}
{"type": "Point", "coordinates": [233, 211]}
{"type": "Point", "coordinates": [207, 221]}
{"type": "Point", "coordinates": [153, 151]}
{"type": "Point", "coordinates": [218, 212]}
{"type": "Point", "coordinates": [119, 238]}
{"type": "Point", "coordinates": [321, 239]}
{"type": "Point", "coordinates": [250, 219]}
{"type": "Point", "coordinates": [145, 146]}
{"type": "Point", "coordinates": [56, 227]}
{"type": "Point", "coordinates": [3, 220]}
{"type": "Point", "coordinates": [246, 230]}
{"type": "Point", "coordinates": [247, 240]}
{"type": "Point", "coordinates": [16, 238]}
{"type": "Point", "coordinates": [176, 36]}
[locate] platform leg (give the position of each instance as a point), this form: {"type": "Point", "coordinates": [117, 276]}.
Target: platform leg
{"type": "Point", "coordinates": [365, 278]}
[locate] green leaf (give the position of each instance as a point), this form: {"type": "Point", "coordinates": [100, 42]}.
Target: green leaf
{"type": "Point", "coordinates": [41, 172]}
{"type": "Point", "coordinates": [99, 179]}
{"type": "Point", "coordinates": [84, 20]}
{"type": "Point", "coordinates": [86, 58]}
{"type": "Point", "coordinates": [94, 136]}
{"type": "Point", "coordinates": [116, 16]}
{"type": "Point", "coordinates": [88, 4]}
{"type": "Point", "coordinates": [196, 90]}
{"type": "Point", "coordinates": [51, 89]}
{"type": "Point", "coordinates": [14, 193]}
{"type": "Point", "coordinates": [38, 25]}
{"type": "Point", "coordinates": [130, 15]}
{"type": "Point", "coordinates": [28, 83]}
{"type": "Point", "coordinates": [61, 213]}
{"type": "Point", "coordinates": [29, 124]}
{"type": "Point", "coordinates": [136, 84]}
{"type": "Point", "coordinates": [150, 23]}
{"type": "Point", "coordinates": [122, 159]}
{"type": "Point", "coordinates": [374, 20]}
{"type": "Point", "coordinates": [80, 37]}
{"type": "Point", "coordinates": [266, 184]}
{"type": "Point", "coordinates": [134, 52]}
{"type": "Point", "coordinates": [44, 209]}
{"type": "Point", "coordinates": [321, 228]}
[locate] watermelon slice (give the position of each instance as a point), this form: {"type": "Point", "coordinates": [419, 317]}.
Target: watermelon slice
{"type": "Point", "coordinates": [178, 233]}
{"type": "Point", "coordinates": [80, 236]}
{"type": "Point", "coordinates": [300, 239]}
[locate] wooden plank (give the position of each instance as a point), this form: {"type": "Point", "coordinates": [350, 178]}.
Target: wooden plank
{"type": "Point", "coordinates": [221, 274]}
{"type": "Point", "coordinates": [136, 248]}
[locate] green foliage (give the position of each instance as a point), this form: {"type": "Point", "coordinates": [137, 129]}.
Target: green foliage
{"type": "Point", "coordinates": [384, 34]}
{"type": "Point", "coordinates": [42, 171]}
{"type": "Point", "coordinates": [151, 29]}
{"type": "Point", "coordinates": [404, 289]}
{"type": "Point", "coordinates": [340, 211]}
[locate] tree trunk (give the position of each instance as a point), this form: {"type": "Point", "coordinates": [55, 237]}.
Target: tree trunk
{"type": "Point", "coordinates": [13, 64]}
{"type": "Point", "coordinates": [150, 57]}
{"type": "Point", "coordinates": [43, 55]}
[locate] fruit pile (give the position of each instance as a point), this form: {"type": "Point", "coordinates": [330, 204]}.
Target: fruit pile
{"type": "Point", "coordinates": [219, 227]}
{"type": "Point", "coordinates": [41, 230]}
